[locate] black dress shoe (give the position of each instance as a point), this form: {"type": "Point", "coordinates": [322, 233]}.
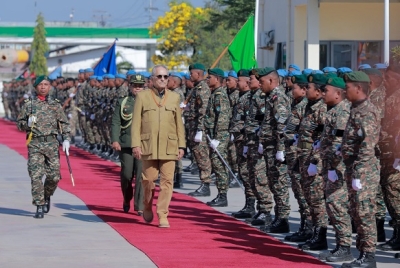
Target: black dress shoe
{"type": "Point", "coordinates": [39, 212]}
{"type": "Point", "coordinates": [126, 207]}
{"type": "Point", "coordinates": [46, 207]}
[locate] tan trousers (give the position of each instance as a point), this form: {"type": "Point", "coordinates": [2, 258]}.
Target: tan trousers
{"type": "Point", "coordinates": [150, 171]}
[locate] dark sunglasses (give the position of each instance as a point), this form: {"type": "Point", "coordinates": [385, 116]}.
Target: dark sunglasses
{"type": "Point", "coordinates": [136, 84]}
{"type": "Point", "coordinates": [161, 76]}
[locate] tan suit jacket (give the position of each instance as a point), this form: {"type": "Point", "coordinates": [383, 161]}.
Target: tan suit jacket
{"type": "Point", "coordinates": [158, 130]}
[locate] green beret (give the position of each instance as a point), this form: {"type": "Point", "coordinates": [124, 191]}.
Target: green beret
{"type": "Point", "coordinates": [336, 82]}
{"type": "Point", "coordinates": [260, 72]}
{"type": "Point", "coordinates": [244, 73]}
{"type": "Point", "coordinates": [357, 76]}
{"type": "Point", "coordinates": [372, 71]}
{"type": "Point", "coordinates": [319, 79]}
{"type": "Point", "coordinates": [39, 79]}
{"type": "Point", "coordinates": [216, 72]}
{"type": "Point", "coordinates": [331, 75]}
{"type": "Point", "coordinates": [137, 79]}
{"type": "Point", "coordinates": [197, 66]}
{"type": "Point", "coordinates": [299, 79]}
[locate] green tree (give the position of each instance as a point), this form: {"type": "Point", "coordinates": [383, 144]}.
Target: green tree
{"type": "Point", "coordinates": [396, 55]}
{"type": "Point", "coordinates": [123, 65]}
{"type": "Point", "coordinates": [39, 48]}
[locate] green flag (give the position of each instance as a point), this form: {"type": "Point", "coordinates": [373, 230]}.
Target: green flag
{"type": "Point", "coordinates": [242, 50]}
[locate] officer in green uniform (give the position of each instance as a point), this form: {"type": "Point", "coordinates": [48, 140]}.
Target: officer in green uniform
{"type": "Point", "coordinates": [121, 142]}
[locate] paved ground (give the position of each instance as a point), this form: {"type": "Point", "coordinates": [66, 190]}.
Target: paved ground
{"type": "Point", "coordinates": [69, 234]}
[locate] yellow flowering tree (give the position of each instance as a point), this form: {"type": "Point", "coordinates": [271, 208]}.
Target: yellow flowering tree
{"type": "Point", "coordinates": [178, 32]}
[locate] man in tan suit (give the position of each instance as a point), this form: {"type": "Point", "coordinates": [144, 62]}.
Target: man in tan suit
{"type": "Point", "coordinates": [158, 138]}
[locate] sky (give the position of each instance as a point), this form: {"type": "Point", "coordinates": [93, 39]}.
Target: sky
{"type": "Point", "coordinates": [116, 13]}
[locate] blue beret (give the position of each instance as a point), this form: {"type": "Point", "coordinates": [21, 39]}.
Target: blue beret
{"type": "Point", "coordinates": [81, 71]}
{"type": "Point", "coordinates": [187, 75]}
{"type": "Point", "coordinates": [89, 70]}
{"type": "Point", "coordinates": [292, 73]}
{"type": "Point", "coordinates": [329, 70]}
{"type": "Point", "coordinates": [317, 72]}
{"type": "Point", "coordinates": [294, 66]}
{"type": "Point", "coordinates": [344, 70]}
{"type": "Point", "coordinates": [109, 76]}
{"type": "Point", "coordinates": [130, 72]}
{"type": "Point", "coordinates": [232, 74]}
{"type": "Point", "coordinates": [380, 66]}
{"type": "Point", "coordinates": [99, 78]}
{"type": "Point", "coordinates": [282, 72]}
{"type": "Point", "coordinates": [307, 71]}
{"type": "Point", "coordinates": [122, 76]}
{"type": "Point", "coordinates": [364, 66]}
{"type": "Point", "coordinates": [225, 74]}
{"type": "Point", "coordinates": [176, 74]}
{"type": "Point", "coordinates": [92, 77]}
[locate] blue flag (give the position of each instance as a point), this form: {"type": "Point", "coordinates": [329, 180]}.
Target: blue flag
{"type": "Point", "coordinates": [107, 64]}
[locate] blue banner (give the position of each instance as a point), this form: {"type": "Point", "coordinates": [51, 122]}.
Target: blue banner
{"type": "Point", "coordinates": [107, 64]}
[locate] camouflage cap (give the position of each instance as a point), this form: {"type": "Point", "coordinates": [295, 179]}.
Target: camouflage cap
{"type": "Point", "coordinates": [373, 71]}
{"type": "Point", "coordinates": [244, 73]}
{"type": "Point", "coordinates": [336, 82]}
{"type": "Point", "coordinates": [39, 79]}
{"type": "Point", "coordinates": [357, 76]}
{"type": "Point", "coordinates": [319, 79]}
{"type": "Point", "coordinates": [137, 79]}
{"type": "Point", "coordinates": [197, 66]}
{"type": "Point", "coordinates": [260, 72]}
{"type": "Point", "coordinates": [216, 72]}
{"type": "Point", "coordinates": [299, 79]}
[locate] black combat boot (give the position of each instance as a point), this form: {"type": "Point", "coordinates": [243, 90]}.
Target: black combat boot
{"type": "Point", "coordinates": [220, 201]}
{"type": "Point", "coordinates": [380, 230]}
{"type": "Point", "coordinates": [304, 233]}
{"type": "Point", "coordinates": [278, 226]}
{"type": "Point", "coordinates": [203, 190]}
{"type": "Point", "coordinates": [247, 211]}
{"type": "Point", "coordinates": [39, 212]}
{"type": "Point", "coordinates": [260, 219]}
{"type": "Point", "coordinates": [394, 243]}
{"type": "Point", "coordinates": [339, 254]}
{"type": "Point", "coordinates": [189, 168]}
{"type": "Point", "coordinates": [46, 206]}
{"type": "Point", "coordinates": [178, 181]}
{"type": "Point", "coordinates": [195, 170]}
{"type": "Point", "coordinates": [318, 241]}
{"type": "Point", "coordinates": [365, 260]}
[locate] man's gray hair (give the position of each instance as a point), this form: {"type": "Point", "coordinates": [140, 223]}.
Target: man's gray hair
{"type": "Point", "coordinates": [153, 72]}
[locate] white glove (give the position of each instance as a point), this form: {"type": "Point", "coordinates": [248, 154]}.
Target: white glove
{"type": "Point", "coordinates": [332, 176]}
{"type": "Point", "coordinates": [82, 113]}
{"type": "Point", "coordinates": [232, 137]}
{"type": "Point", "coordinates": [214, 144]}
{"type": "Point", "coordinates": [71, 95]}
{"type": "Point", "coordinates": [66, 147]}
{"type": "Point", "coordinates": [31, 120]}
{"type": "Point", "coordinates": [26, 96]}
{"type": "Point", "coordinates": [396, 164]}
{"type": "Point", "coordinates": [280, 156]}
{"type": "Point", "coordinates": [312, 170]}
{"type": "Point", "coordinates": [260, 148]}
{"type": "Point", "coordinates": [338, 150]}
{"type": "Point", "coordinates": [356, 184]}
{"type": "Point", "coordinates": [199, 136]}
{"type": "Point", "coordinates": [316, 145]}
{"type": "Point", "coordinates": [69, 116]}
{"type": "Point", "coordinates": [296, 139]}
{"type": "Point", "coordinates": [182, 105]}
{"type": "Point", "coordinates": [245, 149]}
{"type": "Point", "coordinates": [92, 117]}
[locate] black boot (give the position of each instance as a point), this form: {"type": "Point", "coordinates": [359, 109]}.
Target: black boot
{"type": "Point", "coordinates": [189, 168]}
{"type": "Point", "coordinates": [46, 207]}
{"type": "Point", "coordinates": [304, 233]}
{"type": "Point", "coordinates": [318, 241]}
{"type": "Point", "coordinates": [339, 254]}
{"type": "Point", "coordinates": [178, 181]}
{"type": "Point", "coordinates": [380, 230]}
{"type": "Point", "coordinates": [203, 190]}
{"type": "Point", "coordinates": [39, 212]}
{"type": "Point", "coordinates": [220, 201]}
{"type": "Point", "coordinates": [195, 170]}
{"type": "Point", "coordinates": [394, 243]}
{"type": "Point", "coordinates": [247, 211]}
{"type": "Point", "coordinates": [260, 219]}
{"type": "Point", "coordinates": [232, 182]}
{"type": "Point", "coordinates": [365, 260]}
{"type": "Point", "coordinates": [278, 226]}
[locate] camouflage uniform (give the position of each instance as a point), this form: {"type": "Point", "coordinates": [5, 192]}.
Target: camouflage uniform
{"type": "Point", "coordinates": [80, 107]}
{"type": "Point", "coordinates": [216, 122]}
{"type": "Point", "coordinates": [359, 140]}
{"type": "Point", "coordinates": [232, 156]}
{"type": "Point", "coordinates": [71, 112]}
{"type": "Point", "coordinates": [271, 137]}
{"type": "Point", "coordinates": [43, 154]}
{"type": "Point", "coordinates": [336, 193]}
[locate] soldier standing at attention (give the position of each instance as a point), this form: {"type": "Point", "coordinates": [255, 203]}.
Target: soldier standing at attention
{"type": "Point", "coordinates": [362, 167]}
{"type": "Point", "coordinates": [121, 142]}
{"type": "Point", "coordinates": [216, 124]}
{"type": "Point", "coordinates": [42, 118]}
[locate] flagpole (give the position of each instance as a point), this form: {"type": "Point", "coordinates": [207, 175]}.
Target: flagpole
{"type": "Point", "coordinates": [256, 28]}
{"type": "Point", "coordinates": [108, 49]}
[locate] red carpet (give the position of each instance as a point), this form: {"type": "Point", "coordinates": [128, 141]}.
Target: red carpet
{"type": "Point", "coordinates": [199, 236]}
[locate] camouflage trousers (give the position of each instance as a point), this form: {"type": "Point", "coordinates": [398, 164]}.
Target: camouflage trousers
{"type": "Point", "coordinates": [232, 156]}
{"type": "Point", "coordinates": [219, 168]}
{"type": "Point", "coordinates": [258, 176]}
{"type": "Point", "coordinates": [43, 159]}
{"type": "Point", "coordinates": [363, 205]}
{"type": "Point", "coordinates": [82, 126]}
{"type": "Point", "coordinates": [390, 182]}
{"type": "Point", "coordinates": [6, 108]}
{"type": "Point", "coordinates": [293, 171]}
{"type": "Point", "coordinates": [380, 203]}
{"type": "Point", "coordinates": [73, 120]}
{"type": "Point", "coordinates": [337, 206]}
{"type": "Point", "coordinates": [277, 181]}
{"type": "Point", "coordinates": [201, 152]}
{"type": "Point", "coordinates": [89, 130]}
{"type": "Point", "coordinates": [313, 188]}
{"type": "Point", "coordinates": [243, 171]}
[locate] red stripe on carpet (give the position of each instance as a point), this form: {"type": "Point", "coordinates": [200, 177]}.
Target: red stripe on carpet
{"type": "Point", "coordinates": [199, 235]}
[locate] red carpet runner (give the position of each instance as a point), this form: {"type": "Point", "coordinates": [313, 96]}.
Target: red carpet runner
{"type": "Point", "coordinates": [199, 236]}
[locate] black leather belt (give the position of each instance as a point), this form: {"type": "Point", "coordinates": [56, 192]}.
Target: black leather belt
{"type": "Point", "coordinates": [45, 138]}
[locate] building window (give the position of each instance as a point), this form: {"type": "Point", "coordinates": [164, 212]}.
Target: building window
{"type": "Point", "coordinates": [280, 59]}
{"type": "Point", "coordinates": [369, 53]}
{"type": "Point", "coordinates": [323, 55]}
